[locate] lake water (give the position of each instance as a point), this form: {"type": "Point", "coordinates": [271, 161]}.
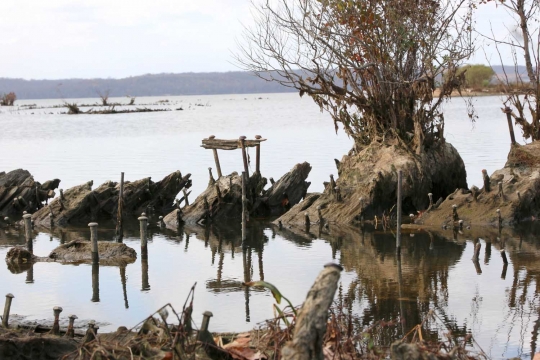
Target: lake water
{"type": "Point", "coordinates": [435, 272]}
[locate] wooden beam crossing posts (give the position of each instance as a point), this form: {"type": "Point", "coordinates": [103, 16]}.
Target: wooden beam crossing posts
{"type": "Point", "coordinates": [119, 214]}
{"type": "Point", "coordinates": [508, 113]}
{"type": "Point", "coordinates": [398, 230]}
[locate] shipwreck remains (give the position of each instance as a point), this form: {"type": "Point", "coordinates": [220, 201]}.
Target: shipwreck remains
{"type": "Point", "coordinates": [20, 192]}
{"type": "Point", "coordinates": [222, 200]}
{"type": "Point", "coordinates": [81, 204]}
{"type": "Point", "coordinates": [367, 183]}
{"type": "Point", "coordinates": [509, 196]}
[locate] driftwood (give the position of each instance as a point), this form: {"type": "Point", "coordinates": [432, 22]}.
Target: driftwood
{"type": "Point", "coordinates": [310, 329]}
{"type": "Point", "coordinates": [222, 201]}
{"type": "Point", "coordinates": [81, 204]}
{"type": "Point", "coordinates": [77, 251]}
{"type": "Point", "coordinates": [20, 192]}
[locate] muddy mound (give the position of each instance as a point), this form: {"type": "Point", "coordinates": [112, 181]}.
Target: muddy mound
{"type": "Point", "coordinates": [81, 251]}
{"type": "Point", "coordinates": [20, 192]}
{"type": "Point", "coordinates": [513, 190]}
{"type": "Point", "coordinates": [81, 204]}
{"type": "Point", "coordinates": [26, 345]}
{"type": "Point", "coordinates": [367, 183]}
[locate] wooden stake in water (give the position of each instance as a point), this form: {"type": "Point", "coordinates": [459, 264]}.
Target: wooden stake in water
{"type": "Point", "coordinates": [119, 215]}
{"type": "Point", "coordinates": [7, 308]}
{"type": "Point", "coordinates": [244, 155]}
{"type": "Point", "coordinates": [93, 238]}
{"type": "Point", "coordinates": [27, 218]}
{"type": "Point", "coordinates": [508, 113]}
{"type": "Point", "coordinates": [398, 230]}
{"type": "Point", "coordinates": [216, 158]}
{"type": "Point", "coordinates": [258, 157]}
{"type": "Point", "coordinates": [244, 205]}
{"type": "Point", "coordinates": [143, 229]}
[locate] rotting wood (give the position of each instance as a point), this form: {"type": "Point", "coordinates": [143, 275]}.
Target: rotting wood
{"type": "Point", "coordinates": [312, 318]}
{"type": "Point", "coordinates": [221, 144]}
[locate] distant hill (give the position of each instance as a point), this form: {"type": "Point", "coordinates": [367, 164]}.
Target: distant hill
{"type": "Point", "coordinates": [236, 82]}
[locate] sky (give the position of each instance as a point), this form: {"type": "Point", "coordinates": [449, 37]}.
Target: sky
{"type": "Point", "coordinates": [58, 39]}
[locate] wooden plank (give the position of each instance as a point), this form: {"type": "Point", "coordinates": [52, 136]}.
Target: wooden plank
{"type": "Point", "coordinates": [221, 144]}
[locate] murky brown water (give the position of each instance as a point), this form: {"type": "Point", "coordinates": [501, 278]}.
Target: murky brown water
{"type": "Point", "coordinates": [498, 306]}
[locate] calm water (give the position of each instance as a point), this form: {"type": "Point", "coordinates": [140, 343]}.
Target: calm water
{"type": "Point", "coordinates": [435, 272]}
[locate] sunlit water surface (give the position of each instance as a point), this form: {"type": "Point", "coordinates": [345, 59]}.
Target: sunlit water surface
{"type": "Point", "coordinates": [498, 306]}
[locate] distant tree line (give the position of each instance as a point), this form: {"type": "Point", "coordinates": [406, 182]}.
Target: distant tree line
{"type": "Point", "coordinates": [146, 85]}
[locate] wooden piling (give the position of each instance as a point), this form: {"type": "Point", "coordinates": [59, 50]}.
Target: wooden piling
{"type": "Point", "coordinates": [244, 155]}
{"type": "Point", "coordinates": [487, 182]}
{"type": "Point", "coordinates": [258, 156]}
{"type": "Point", "coordinates": [70, 330]}
{"type": "Point", "coordinates": [143, 222]}
{"type": "Point", "coordinates": [7, 308]}
{"type": "Point", "coordinates": [94, 239]}
{"type": "Point", "coordinates": [27, 219]}
{"type": "Point", "coordinates": [186, 197]}
{"type": "Point", "coordinates": [56, 326]}
{"type": "Point", "coordinates": [399, 211]}
{"type": "Point", "coordinates": [218, 193]}
{"type": "Point", "coordinates": [216, 158]}
{"type": "Point", "coordinates": [272, 181]}
{"type": "Point", "coordinates": [508, 113]}
{"type": "Point", "coordinates": [119, 214]}
{"type": "Point", "coordinates": [307, 222]}
{"type": "Point", "coordinates": [244, 206]}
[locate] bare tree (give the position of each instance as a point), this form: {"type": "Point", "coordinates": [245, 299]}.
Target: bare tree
{"type": "Point", "coordinates": [8, 99]}
{"type": "Point", "coordinates": [523, 41]}
{"type": "Point", "coordinates": [372, 64]}
{"type": "Point", "coordinates": [104, 96]}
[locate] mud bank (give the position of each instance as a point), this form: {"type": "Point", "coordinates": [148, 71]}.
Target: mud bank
{"type": "Point", "coordinates": [367, 183]}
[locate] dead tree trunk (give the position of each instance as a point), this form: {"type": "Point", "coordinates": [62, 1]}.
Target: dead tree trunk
{"type": "Point", "coordinates": [310, 328]}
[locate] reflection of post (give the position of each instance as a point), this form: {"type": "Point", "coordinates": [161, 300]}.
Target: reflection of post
{"type": "Point", "coordinates": [187, 242]}
{"type": "Point", "coordinates": [95, 281]}
{"type": "Point", "coordinates": [398, 209]}
{"type": "Point", "coordinates": [487, 255]}
{"type": "Point", "coordinates": [220, 268]}
{"type": "Point", "coordinates": [503, 274]}
{"type": "Point", "coordinates": [124, 289]}
{"type": "Point", "coordinates": [246, 278]}
{"type": "Point", "coordinates": [27, 218]}
{"type": "Point", "coordinates": [400, 282]}
{"type": "Point", "coordinates": [261, 268]}
{"type": "Point", "coordinates": [143, 220]}
{"type": "Point", "coordinates": [119, 214]}
{"type": "Point", "coordinates": [144, 268]}
{"type": "Point", "coordinates": [477, 267]}
{"type": "Point", "coordinates": [30, 274]}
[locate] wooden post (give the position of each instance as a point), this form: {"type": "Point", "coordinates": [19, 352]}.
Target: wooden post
{"type": "Point", "coordinates": [119, 215]}
{"type": "Point", "coordinates": [398, 230]}
{"type": "Point", "coordinates": [143, 220]}
{"type": "Point", "coordinates": [70, 330]}
{"type": "Point", "coordinates": [186, 197]}
{"type": "Point", "coordinates": [244, 207]}
{"type": "Point", "coordinates": [94, 239]}
{"type": "Point", "coordinates": [244, 155]}
{"type": "Point", "coordinates": [258, 157]}
{"type": "Point", "coordinates": [216, 158]}
{"type": "Point", "coordinates": [508, 113]}
{"type": "Point", "coordinates": [312, 318]}
{"type": "Point", "coordinates": [487, 183]}
{"type": "Point", "coordinates": [27, 218]}
{"type": "Point", "coordinates": [56, 326]}
{"type": "Point", "coordinates": [7, 308]}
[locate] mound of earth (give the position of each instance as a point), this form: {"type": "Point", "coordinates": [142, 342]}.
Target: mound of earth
{"type": "Point", "coordinates": [367, 183]}
{"type": "Point", "coordinates": [77, 251]}
{"type": "Point", "coordinates": [514, 190]}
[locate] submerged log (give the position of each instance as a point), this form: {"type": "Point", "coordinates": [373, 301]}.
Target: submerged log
{"type": "Point", "coordinates": [517, 201]}
{"type": "Point", "coordinates": [223, 201]}
{"type": "Point", "coordinates": [76, 251]}
{"type": "Point", "coordinates": [81, 204]}
{"type": "Point", "coordinates": [368, 181]}
{"type": "Point", "coordinates": [20, 192]}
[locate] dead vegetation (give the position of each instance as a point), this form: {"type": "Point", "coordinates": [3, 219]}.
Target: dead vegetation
{"type": "Point", "coordinates": [8, 99]}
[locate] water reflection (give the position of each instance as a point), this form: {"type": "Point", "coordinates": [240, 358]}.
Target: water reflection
{"type": "Point", "coordinates": [496, 302]}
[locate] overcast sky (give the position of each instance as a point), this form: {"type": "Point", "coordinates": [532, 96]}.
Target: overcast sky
{"type": "Point", "coordinates": [54, 39]}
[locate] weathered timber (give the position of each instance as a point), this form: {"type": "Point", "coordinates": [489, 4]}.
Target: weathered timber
{"type": "Point", "coordinates": [76, 251]}
{"type": "Point", "coordinates": [221, 144]}
{"type": "Point", "coordinates": [310, 328]}
{"type": "Point", "coordinates": [227, 204]}
{"type": "Point", "coordinates": [20, 192]}
{"type": "Point", "coordinates": [81, 204]}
